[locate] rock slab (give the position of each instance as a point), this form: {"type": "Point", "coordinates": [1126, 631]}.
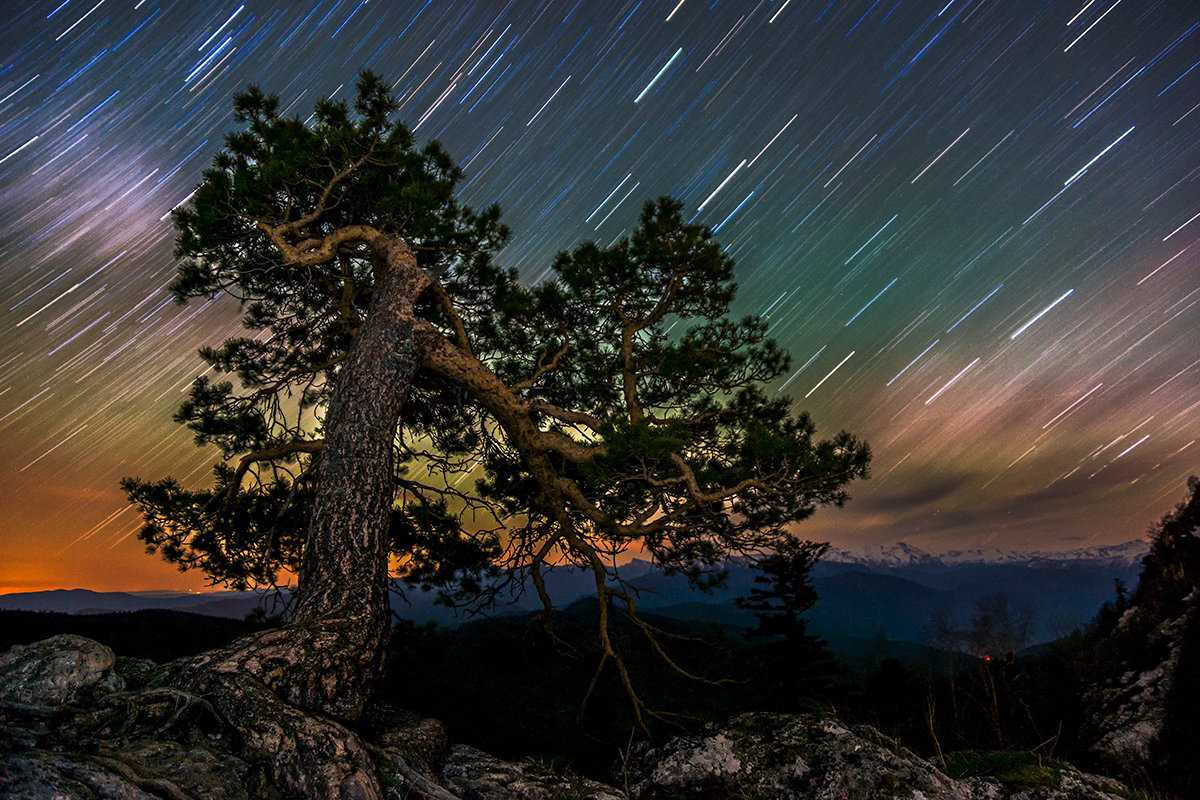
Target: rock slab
{"type": "Point", "coordinates": [805, 757]}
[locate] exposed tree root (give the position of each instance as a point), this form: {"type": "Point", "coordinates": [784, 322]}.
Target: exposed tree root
{"type": "Point", "coordinates": [259, 685]}
{"type": "Point", "coordinates": [324, 665]}
{"type": "Point", "coordinates": [157, 786]}
{"type": "Point", "coordinates": [413, 777]}
{"type": "Point", "coordinates": [300, 754]}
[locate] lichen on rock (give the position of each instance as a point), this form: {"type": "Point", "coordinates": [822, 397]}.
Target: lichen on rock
{"type": "Point", "coordinates": [806, 757]}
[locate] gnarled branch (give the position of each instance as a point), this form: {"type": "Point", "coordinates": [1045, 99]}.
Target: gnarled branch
{"type": "Point", "coordinates": [271, 454]}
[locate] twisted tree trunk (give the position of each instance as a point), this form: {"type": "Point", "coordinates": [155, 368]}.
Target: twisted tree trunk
{"type": "Point", "coordinates": [291, 692]}
{"type": "Point", "coordinates": [343, 583]}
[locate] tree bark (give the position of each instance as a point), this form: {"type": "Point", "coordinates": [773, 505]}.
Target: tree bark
{"type": "Point", "coordinates": [291, 691]}
{"type": "Point", "coordinates": [343, 583]}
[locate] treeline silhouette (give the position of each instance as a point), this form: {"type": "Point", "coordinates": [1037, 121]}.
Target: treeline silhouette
{"type": "Point", "coordinates": [156, 634]}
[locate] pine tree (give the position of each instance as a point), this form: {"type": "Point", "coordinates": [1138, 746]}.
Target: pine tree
{"type": "Point", "coordinates": [614, 405]}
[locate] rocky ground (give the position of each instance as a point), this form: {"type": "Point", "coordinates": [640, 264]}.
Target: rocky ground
{"type": "Point", "coordinates": [77, 723]}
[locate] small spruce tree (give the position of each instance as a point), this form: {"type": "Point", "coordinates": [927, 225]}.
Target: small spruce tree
{"type": "Point", "coordinates": [792, 664]}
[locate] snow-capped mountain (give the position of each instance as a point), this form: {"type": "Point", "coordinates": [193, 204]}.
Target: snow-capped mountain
{"type": "Point", "coordinates": [903, 555]}
{"type": "Point", "coordinates": [898, 555]}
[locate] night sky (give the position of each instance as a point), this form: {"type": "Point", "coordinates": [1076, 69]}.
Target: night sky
{"type": "Point", "coordinates": [975, 224]}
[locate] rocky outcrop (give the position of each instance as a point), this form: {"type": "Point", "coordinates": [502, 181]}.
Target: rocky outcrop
{"type": "Point", "coordinates": [1143, 715]}
{"type": "Point", "coordinates": [801, 757]}
{"type": "Point", "coordinates": [78, 724]}
{"type": "Point", "coordinates": [1127, 715]}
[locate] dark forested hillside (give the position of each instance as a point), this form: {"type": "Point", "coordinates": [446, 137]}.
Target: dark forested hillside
{"type": "Point", "coordinates": [152, 633]}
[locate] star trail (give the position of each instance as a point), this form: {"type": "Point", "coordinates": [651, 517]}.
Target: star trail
{"type": "Point", "coordinates": [974, 224]}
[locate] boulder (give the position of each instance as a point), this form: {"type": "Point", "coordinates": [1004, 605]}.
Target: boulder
{"type": "Point", "coordinates": [420, 741]}
{"type": "Point", "coordinates": [47, 776]}
{"type": "Point", "coordinates": [786, 756]}
{"type": "Point", "coordinates": [141, 770]}
{"type": "Point", "coordinates": [55, 671]}
{"type": "Point", "coordinates": [805, 757]}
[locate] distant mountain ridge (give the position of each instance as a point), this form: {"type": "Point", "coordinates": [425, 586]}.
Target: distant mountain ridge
{"type": "Point", "coordinates": [884, 592]}
{"type": "Point", "coordinates": [902, 554]}
{"type": "Point", "coordinates": [228, 604]}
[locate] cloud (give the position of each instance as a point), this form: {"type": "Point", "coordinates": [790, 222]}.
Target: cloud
{"type": "Point", "coordinates": [917, 498]}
